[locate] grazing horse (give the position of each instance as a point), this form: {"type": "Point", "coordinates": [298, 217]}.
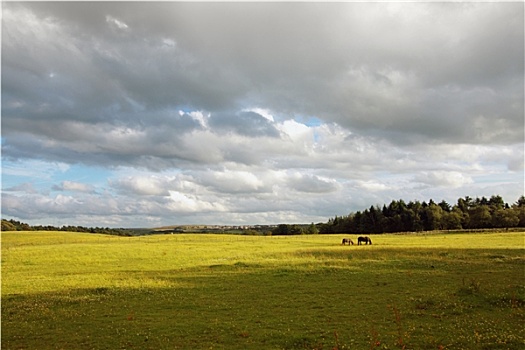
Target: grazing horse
{"type": "Point", "coordinates": [365, 240]}
{"type": "Point", "coordinates": [347, 241]}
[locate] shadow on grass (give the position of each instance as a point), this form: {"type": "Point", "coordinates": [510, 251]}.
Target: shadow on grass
{"type": "Point", "coordinates": [331, 299]}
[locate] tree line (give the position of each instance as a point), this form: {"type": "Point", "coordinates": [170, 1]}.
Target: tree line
{"type": "Point", "coordinates": [285, 230]}
{"type": "Point", "coordinates": [14, 225]}
{"type": "Point", "coordinates": [399, 216]}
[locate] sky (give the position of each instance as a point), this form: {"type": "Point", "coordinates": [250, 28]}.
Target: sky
{"type": "Point", "coordinates": [147, 114]}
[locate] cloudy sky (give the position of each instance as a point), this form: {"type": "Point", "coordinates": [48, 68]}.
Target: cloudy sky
{"type": "Point", "coordinates": [144, 114]}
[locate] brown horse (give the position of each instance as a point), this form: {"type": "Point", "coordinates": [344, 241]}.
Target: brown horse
{"type": "Point", "coordinates": [365, 240]}
{"type": "Point", "coordinates": [347, 241]}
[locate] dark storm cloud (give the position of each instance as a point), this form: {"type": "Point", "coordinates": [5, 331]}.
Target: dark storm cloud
{"type": "Point", "coordinates": [312, 184]}
{"type": "Point", "coordinates": [409, 73]}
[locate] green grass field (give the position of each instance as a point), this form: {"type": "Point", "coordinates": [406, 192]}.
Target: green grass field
{"type": "Point", "coordinates": [435, 291]}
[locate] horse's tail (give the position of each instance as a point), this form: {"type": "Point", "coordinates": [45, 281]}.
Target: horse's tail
{"type": "Point", "coordinates": [370, 241]}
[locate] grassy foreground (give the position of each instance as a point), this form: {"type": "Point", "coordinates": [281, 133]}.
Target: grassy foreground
{"type": "Point", "coordinates": [439, 291]}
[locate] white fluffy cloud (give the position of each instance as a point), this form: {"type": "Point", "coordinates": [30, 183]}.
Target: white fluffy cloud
{"type": "Point", "coordinates": [447, 179]}
{"type": "Point", "coordinates": [74, 186]}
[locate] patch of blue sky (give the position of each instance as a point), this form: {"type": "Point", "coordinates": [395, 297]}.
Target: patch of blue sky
{"type": "Point", "coordinates": [24, 170]}
{"type": "Point", "coordinates": [43, 176]}
{"type": "Point", "coordinates": [95, 176]}
{"type": "Point", "coordinates": [186, 109]}
{"type": "Point", "coordinates": [309, 121]}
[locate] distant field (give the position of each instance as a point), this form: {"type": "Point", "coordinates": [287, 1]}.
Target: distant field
{"type": "Point", "coordinates": [195, 291]}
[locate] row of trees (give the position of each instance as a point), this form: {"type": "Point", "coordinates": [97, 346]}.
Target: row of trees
{"type": "Point", "coordinates": [398, 216]}
{"type": "Point", "coordinates": [284, 229]}
{"type": "Point", "coordinates": [14, 225]}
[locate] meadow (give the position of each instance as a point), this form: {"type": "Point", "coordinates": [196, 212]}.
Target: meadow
{"type": "Point", "coordinates": [197, 291]}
